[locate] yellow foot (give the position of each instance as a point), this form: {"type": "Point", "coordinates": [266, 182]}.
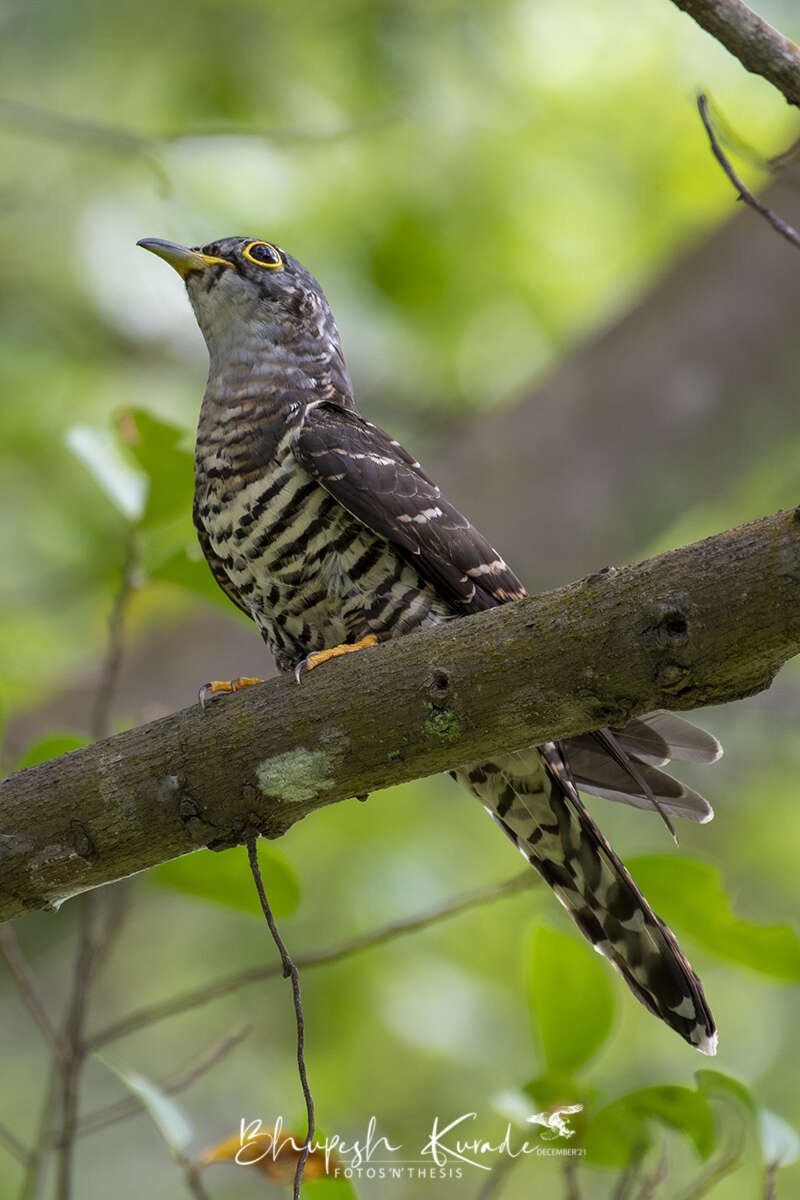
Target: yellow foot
{"type": "Point", "coordinates": [225, 685]}
{"type": "Point", "coordinates": [321, 656]}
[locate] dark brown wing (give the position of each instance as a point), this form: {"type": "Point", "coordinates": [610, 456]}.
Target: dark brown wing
{"type": "Point", "coordinates": [375, 479]}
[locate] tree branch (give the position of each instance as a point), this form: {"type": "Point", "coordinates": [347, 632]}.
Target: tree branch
{"type": "Point", "coordinates": [778, 224]}
{"type": "Point", "coordinates": [130, 1106]}
{"type": "Point", "coordinates": [289, 972]}
{"type": "Point", "coordinates": [14, 1146]}
{"type": "Point", "coordinates": [28, 987]}
{"type": "Point", "coordinates": [760, 49]}
{"type": "Point", "coordinates": [705, 624]}
{"type": "Point", "coordinates": [181, 1002]}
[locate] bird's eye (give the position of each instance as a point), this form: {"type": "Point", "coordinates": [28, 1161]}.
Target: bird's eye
{"type": "Point", "coordinates": [263, 255]}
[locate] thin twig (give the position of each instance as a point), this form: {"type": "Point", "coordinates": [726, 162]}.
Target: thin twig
{"type": "Point", "coordinates": [777, 223]}
{"type": "Point", "coordinates": [46, 123]}
{"type": "Point", "coordinates": [102, 711]}
{"type": "Point", "coordinates": [28, 987]}
{"type": "Point", "coordinates": [33, 1176]}
{"type": "Point", "coordinates": [496, 1177]}
{"type": "Point", "coordinates": [93, 942]}
{"type": "Point", "coordinates": [769, 1180]}
{"type": "Point", "coordinates": [629, 1175]}
{"type": "Point", "coordinates": [193, 998]}
{"type": "Point", "coordinates": [191, 1173]}
{"type": "Point", "coordinates": [289, 972]}
{"type": "Point", "coordinates": [74, 1048]}
{"type": "Point", "coordinates": [178, 1081]}
{"type": "Point", "coordinates": [725, 1164]}
{"type": "Point", "coordinates": [119, 896]}
{"type": "Point", "coordinates": [571, 1189]}
{"type": "Point", "coordinates": [651, 1183]}
{"type": "Point", "coordinates": [14, 1146]}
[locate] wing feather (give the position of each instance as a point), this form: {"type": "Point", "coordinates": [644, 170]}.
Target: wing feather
{"type": "Point", "coordinates": [379, 482]}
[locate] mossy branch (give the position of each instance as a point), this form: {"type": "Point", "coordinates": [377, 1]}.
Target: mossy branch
{"type": "Point", "coordinates": [705, 624]}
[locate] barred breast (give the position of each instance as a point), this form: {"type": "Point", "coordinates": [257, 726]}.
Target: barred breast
{"type": "Point", "coordinates": [309, 573]}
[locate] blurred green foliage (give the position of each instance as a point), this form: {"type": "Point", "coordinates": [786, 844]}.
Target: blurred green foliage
{"type": "Point", "coordinates": [477, 185]}
{"type": "Point", "coordinates": [560, 977]}
{"type": "Point", "coordinates": [224, 877]}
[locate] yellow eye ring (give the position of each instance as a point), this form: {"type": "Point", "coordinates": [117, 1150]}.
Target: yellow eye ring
{"type": "Point", "coordinates": [268, 256]}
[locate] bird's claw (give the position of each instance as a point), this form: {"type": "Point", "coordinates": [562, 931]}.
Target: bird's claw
{"type": "Point", "coordinates": [225, 685]}
{"type": "Point", "coordinates": [320, 656]}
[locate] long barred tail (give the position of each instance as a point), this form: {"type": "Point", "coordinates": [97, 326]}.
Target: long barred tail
{"type": "Point", "coordinates": [531, 796]}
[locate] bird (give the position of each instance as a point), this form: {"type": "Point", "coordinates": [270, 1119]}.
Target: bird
{"type": "Point", "coordinates": [554, 1122]}
{"type": "Point", "coordinates": [331, 537]}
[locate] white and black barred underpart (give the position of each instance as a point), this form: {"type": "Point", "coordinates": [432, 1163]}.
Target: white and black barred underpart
{"type": "Point", "coordinates": [309, 573]}
{"type": "Point", "coordinates": [323, 529]}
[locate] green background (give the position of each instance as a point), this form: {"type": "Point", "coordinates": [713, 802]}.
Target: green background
{"type": "Point", "coordinates": [480, 188]}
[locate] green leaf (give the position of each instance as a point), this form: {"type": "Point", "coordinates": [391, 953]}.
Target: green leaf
{"type": "Point", "coordinates": [717, 1085]}
{"type": "Point", "coordinates": [690, 895]}
{"type": "Point", "coordinates": [780, 1142]}
{"type": "Point", "coordinates": [621, 1131]}
{"type": "Point", "coordinates": [224, 878]}
{"type": "Point", "coordinates": [570, 997]}
{"type": "Point", "coordinates": [52, 746]}
{"type": "Point", "coordinates": [167, 1117]}
{"type": "Point", "coordinates": [548, 1091]}
{"type": "Point", "coordinates": [100, 453]}
{"type": "Point", "coordinates": [329, 1188]}
{"type": "Point", "coordinates": [167, 463]}
{"type": "Point", "coordinates": [193, 574]}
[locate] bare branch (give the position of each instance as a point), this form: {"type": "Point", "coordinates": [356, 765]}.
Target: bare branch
{"type": "Point", "coordinates": [33, 1176]}
{"type": "Point", "coordinates": [191, 1175]}
{"type": "Point", "coordinates": [14, 1146]}
{"type": "Point", "coordinates": [571, 1188]}
{"type": "Point", "coordinates": [28, 987]}
{"type": "Point", "coordinates": [106, 690]}
{"type": "Point", "coordinates": [760, 49]}
{"type": "Point", "coordinates": [770, 1173]}
{"type": "Point", "coordinates": [74, 1051]}
{"type": "Point", "coordinates": [94, 937]}
{"type": "Point", "coordinates": [727, 1162]}
{"type": "Point", "coordinates": [116, 139]}
{"type": "Point", "coordinates": [629, 1175]}
{"type": "Point", "coordinates": [497, 1178]}
{"type": "Point", "coordinates": [150, 1014]}
{"type": "Point", "coordinates": [777, 223]}
{"type": "Point", "coordinates": [651, 1183]}
{"type": "Point", "coordinates": [201, 1064]}
{"type": "Point", "coordinates": [289, 972]}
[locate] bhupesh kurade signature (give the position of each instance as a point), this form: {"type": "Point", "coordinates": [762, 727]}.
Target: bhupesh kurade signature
{"type": "Point", "coordinates": [445, 1145]}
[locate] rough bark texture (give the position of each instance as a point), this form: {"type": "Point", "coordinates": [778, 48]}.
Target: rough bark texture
{"type": "Point", "coordinates": [759, 47]}
{"type": "Point", "coordinates": [702, 625]}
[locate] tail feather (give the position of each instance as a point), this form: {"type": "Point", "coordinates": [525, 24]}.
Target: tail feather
{"type": "Point", "coordinates": [593, 770]}
{"type": "Point", "coordinates": [532, 797]}
{"type": "Point", "coordinates": [621, 764]}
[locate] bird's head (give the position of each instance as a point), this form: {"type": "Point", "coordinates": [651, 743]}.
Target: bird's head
{"type": "Point", "coordinates": [255, 304]}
